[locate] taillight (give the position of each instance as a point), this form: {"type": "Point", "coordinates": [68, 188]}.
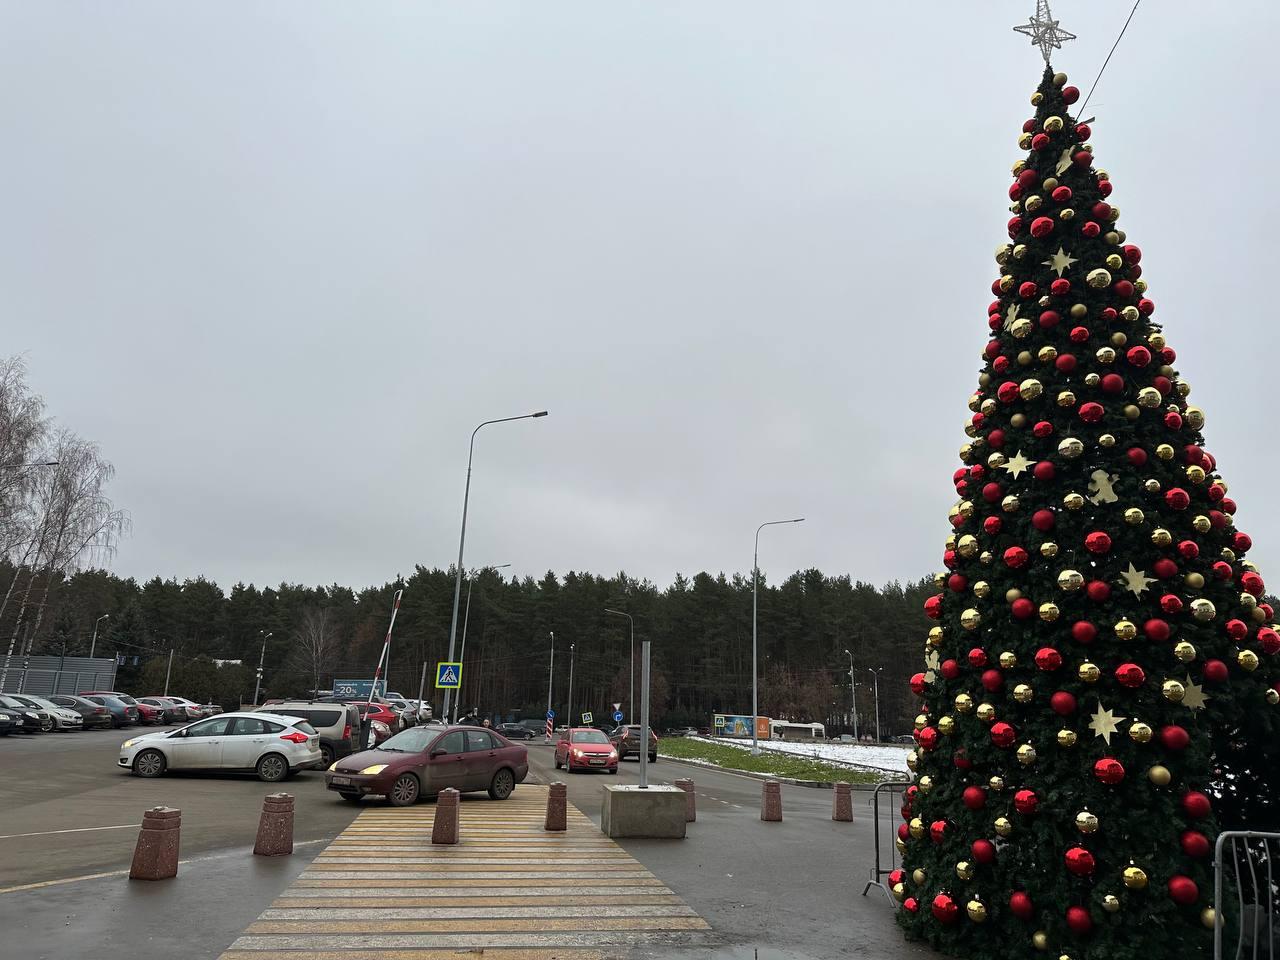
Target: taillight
{"type": "Point", "coordinates": [346, 732]}
{"type": "Point", "coordinates": [294, 736]}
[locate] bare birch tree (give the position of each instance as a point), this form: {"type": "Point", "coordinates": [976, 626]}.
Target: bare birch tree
{"type": "Point", "coordinates": [315, 644]}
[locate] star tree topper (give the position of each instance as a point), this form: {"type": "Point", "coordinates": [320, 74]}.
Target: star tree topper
{"type": "Point", "coordinates": [1044, 30]}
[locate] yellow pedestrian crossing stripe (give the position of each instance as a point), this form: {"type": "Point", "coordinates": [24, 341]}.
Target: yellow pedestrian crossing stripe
{"type": "Point", "coordinates": [509, 889]}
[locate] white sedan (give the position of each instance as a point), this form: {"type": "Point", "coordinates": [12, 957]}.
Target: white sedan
{"type": "Point", "coordinates": [271, 746]}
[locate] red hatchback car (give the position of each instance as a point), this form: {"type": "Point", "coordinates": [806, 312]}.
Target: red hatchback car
{"type": "Point", "coordinates": [422, 761]}
{"type": "Point", "coordinates": [585, 748]}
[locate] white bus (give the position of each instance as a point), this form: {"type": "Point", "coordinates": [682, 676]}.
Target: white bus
{"type": "Point", "coordinates": [784, 730]}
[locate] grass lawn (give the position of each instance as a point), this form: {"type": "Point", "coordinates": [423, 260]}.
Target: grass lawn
{"type": "Point", "coordinates": [778, 764]}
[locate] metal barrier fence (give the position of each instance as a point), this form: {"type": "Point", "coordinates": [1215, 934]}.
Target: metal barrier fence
{"type": "Point", "coordinates": [78, 673]}
{"type": "Point", "coordinates": [1247, 864]}
{"type": "Point", "coordinates": [886, 832]}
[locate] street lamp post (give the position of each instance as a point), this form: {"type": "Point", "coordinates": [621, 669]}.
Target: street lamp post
{"type": "Point", "coordinates": [462, 652]}
{"type": "Point", "coordinates": [168, 670]}
{"type": "Point", "coordinates": [93, 645]}
{"type": "Point", "coordinates": [853, 696]}
{"type": "Point", "coordinates": [551, 675]}
{"type": "Point", "coordinates": [631, 702]}
{"type": "Point", "coordinates": [262, 656]}
{"type": "Point", "coordinates": [755, 670]}
{"type": "Point", "coordinates": [568, 720]}
{"type": "Point", "coordinates": [875, 674]}
{"type": "Point", "coordinates": [462, 538]}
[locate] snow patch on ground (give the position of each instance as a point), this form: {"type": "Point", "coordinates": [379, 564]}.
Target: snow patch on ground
{"type": "Point", "coordinates": [863, 756]}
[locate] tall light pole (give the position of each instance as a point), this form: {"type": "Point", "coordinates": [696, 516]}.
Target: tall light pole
{"type": "Point", "coordinates": [568, 722]}
{"type": "Point", "coordinates": [755, 670]}
{"type": "Point", "coordinates": [853, 696]}
{"type": "Point", "coordinates": [466, 617]}
{"type": "Point", "coordinates": [631, 701]}
{"type": "Point", "coordinates": [875, 674]}
{"type": "Point", "coordinates": [168, 670]}
{"type": "Point", "coordinates": [551, 675]}
{"type": "Point", "coordinates": [262, 656]}
{"type": "Point", "coordinates": [94, 643]}
{"type": "Point", "coordinates": [462, 538]}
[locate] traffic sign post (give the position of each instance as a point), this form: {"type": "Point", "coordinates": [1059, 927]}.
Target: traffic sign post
{"type": "Point", "coordinates": [448, 675]}
{"type": "Point", "coordinates": [617, 716]}
{"type": "Point", "coordinates": [586, 719]}
{"type": "Point", "coordinates": [551, 714]}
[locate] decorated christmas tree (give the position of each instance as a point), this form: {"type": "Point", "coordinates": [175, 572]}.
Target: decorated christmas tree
{"type": "Point", "coordinates": [1100, 694]}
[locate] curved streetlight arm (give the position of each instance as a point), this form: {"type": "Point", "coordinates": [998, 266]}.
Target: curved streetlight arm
{"type": "Point", "coordinates": [755, 670]}
{"type": "Point", "coordinates": [631, 702]}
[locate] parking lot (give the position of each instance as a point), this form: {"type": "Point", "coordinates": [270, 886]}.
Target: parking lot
{"type": "Point", "coordinates": [67, 810]}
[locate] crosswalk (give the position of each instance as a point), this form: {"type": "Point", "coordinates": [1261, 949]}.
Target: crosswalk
{"type": "Point", "coordinates": [509, 888]}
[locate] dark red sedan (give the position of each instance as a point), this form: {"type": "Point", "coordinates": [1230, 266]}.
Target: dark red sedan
{"type": "Point", "coordinates": [586, 748]}
{"type": "Point", "coordinates": [422, 761]}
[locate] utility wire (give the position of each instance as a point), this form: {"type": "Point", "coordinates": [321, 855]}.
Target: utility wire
{"type": "Point", "coordinates": [1108, 60]}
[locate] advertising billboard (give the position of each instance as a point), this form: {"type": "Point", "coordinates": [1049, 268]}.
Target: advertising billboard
{"type": "Point", "coordinates": [738, 726]}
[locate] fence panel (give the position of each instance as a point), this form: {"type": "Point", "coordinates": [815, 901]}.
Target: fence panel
{"type": "Point", "coordinates": [886, 802]}
{"type": "Point", "coordinates": [1246, 868]}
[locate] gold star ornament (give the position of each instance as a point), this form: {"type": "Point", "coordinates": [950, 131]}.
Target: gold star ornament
{"type": "Point", "coordinates": [1104, 723]}
{"type": "Point", "coordinates": [933, 663]}
{"type": "Point", "coordinates": [1010, 316]}
{"type": "Point", "coordinates": [1135, 580]}
{"type": "Point", "coordinates": [1016, 465]}
{"type": "Point", "coordinates": [1064, 162]}
{"type": "Point", "coordinates": [1061, 261]}
{"type": "Point", "coordinates": [1195, 697]}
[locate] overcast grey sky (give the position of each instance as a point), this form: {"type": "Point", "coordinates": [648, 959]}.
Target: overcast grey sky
{"type": "Point", "coordinates": [280, 258]}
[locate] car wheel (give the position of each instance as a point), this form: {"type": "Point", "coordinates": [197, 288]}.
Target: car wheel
{"type": "Point", "coordinates": [557, 764]}
{"type": "Point", "coordinates": [326, 756]}
{"type": "Point", "coordinates": [504, 781]}
{"type": "Point", "coordinates": [613, 771]}
{"type": "Point", "coordinates": [272, 768]}
{"type": "Point", "coordinates": [353, 797]}
{"type": "Point", "coordinates": [149, 763]}
{"type": "Point", "coordinates": [404, 791]}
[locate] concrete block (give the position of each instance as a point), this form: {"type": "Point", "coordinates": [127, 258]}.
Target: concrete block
{"type": "Point", "coordinates": [557, 807]}
{"type": "Point", "coordinates": [842, 802]}
{"type": "Point", "coordinates": [444, 829]}
{"type": "Point", "coordinates": [156, 855]}
{"type": "Point", "coordinates": [275, 826]}
{"type": "Point", "coordinates": [771, 801]}
{"type": "Point", "coordinates": [691, 799]}
{"type": "Point", "coordinates": [628, 811]}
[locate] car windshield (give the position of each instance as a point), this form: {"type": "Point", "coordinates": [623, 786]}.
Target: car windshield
{"type": "Point", "coordinates": [13, 704]}
{"type": "Point", "coordinates": [589, 736]}
{"type": "Point", "coordinates": [125, 699]}
{"type": "Point", "coordinates": [413, 740]}
{"type": "Point", "coordinates": [42, 702]}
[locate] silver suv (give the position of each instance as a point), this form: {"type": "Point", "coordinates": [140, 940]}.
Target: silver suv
{"type": "Point", "coordinates": [338, 724]}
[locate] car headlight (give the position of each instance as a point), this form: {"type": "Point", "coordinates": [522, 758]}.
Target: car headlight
{"type": "Point", "coordinates": [375, 769]}
{"type": "Point", "coordinates": [128, 743]}
{"type": "Point", "coordinates": [333, 766]}
{"type": "Point", "coordinates": [578, 754]}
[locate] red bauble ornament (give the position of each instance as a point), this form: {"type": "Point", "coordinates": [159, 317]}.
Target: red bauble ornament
{"type": "Point", "coordinates": [933, 607]}
{"type": "Point", "coordinates": [1098, 542]}
{"type": "Point", "coordinates": [977, 657]}
{"type": "Point", "coordinates": [957, 583]}
{"type": "Point", "coordinates": [1014, 227]}
{"type": "Point", "coordinates": [1040, 141]}
{"type": "Point", "coordinates": [904, 832]}
{"type": "Point", "coordinates": [950, 669]}
{"type": "Point", "coordinates": [1172, 419]}
{"type": "Point", "coordinates": [945, 909]}
{"type": "Point", "coordinates": [1188, 549]}
{"type": "Point", "coordinates": [1236, 629]}
{"type": "Point", "coordinates": [1062, 703]}
{"type": "Point", "coordinates": [1089, 228]}
{"type": "Point", "coordinates": [1242, 542]}
{"type": "Point", "coordinates": [1183, 890]}
{"type": "Point", "coordinates": [1123, 289]}
{"type": "Point", "coordinates": [1026, 801]}
{"type": "Point", "coordinates": [895, 877]}
{"type": "Point", "coordinates": [1195, 844]}
{"type": "Point", "coordinates": [1091, 412]}
{"type": "Point", "coordinates": [927, 738]}
{"type": "Point", "coordinates": [1270, 641]}
{"type": "Point", "coordinates": [1028, 179]}
{"type": "Point", "coordinates": [1196, 804]}
{"type": "Point", "coordinates": [938, 831]}
{"type": "Point", "coordinates": [1130, 675]}
{"type": "Point", "coordinates": [1132, 254]}
{"type": "Point", "coordinates": [1138, 356]}
{"type": "Point", "coordinates": [1060, 287]}
{"type": "Point", "coordinates": [1002, 734]}
{"type": "Point", "coordinates": [1043, 470]}
{"type": "Point", "coordinates": [992, 680]}
{"type": "Point", "coordinates": [984, 851]}
{"type": "Point", "coordinates": [1137, 456]}
{"type": "Point", "coordinates": [1048, 658]}
{"type": "Point", "coordinates": [961, 760]}
{"type": "Point", "coordinates": [1048, 319]}
{"type": "Point", "coordinates": [1027, 289]}
{"type": "Point", "coordinates": [992, 525]}
{"type": "Point", "coordinates": [1171, 603]}
{"type": "Point", "coordinates": [917, 684]}
{"type": "Point", "coordinates": [1216, 493]}
{"type": "Point", "coordinates": [992, 492]}
{"type": "Point", "coordinates": [1251, 582]}
{"type": "Point", "coordinates": [1177, 498]}
{"type": "Point", "coordinates": [1043, 429]}
{"type": "Point", "coordinates": [1082, 631]}
{"type": "Point", "coordinates": [1080, 862]}
{"type": "Point", "coordinates": [1007, 392]}
{"type": "Point", "coordinates": [1099, 591]}
{"type": "Point", "coordinates": [1023, 609]}
{"type": "Point", "coordinates": [1174, 737]}
{"type": "Point", "coordinates": [1156, 629]}
{"type": "Point", "coordinates": [1042, 226]}
{"type": "Point", "coordinates": [1043, 520]}
{"type": "Point", "coordinates": [975, 798]}
{"type": "Point", "coordinates": [911, 905]}
{"type": "Point", "coordinates": [1109, 770]}
{"type": "Point", "coordinates": [1020, 905]}
{"type": "Point", "coordinates": [1079, 334]}
{"type": "Point", "coordinates": [1164, 568]}
{"type": "Point", "coordinates": [1215, 671]}
{"type": "Point", "coordinates": [1070, 95]}
{"type": "Point", "coordinates": [1015, 557]}
{"type": "Point", "coordinates": [1061, 194]}
{"type": "Point", "coordinates": [1078, 921]}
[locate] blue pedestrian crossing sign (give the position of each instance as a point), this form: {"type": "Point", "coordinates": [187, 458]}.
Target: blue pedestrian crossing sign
{"type": "Point", "coordinates": [448, 675]}
{"type": "Point", "coordinates": [551, 714]}
{"type": "Point", "coordinates": [617, 716]}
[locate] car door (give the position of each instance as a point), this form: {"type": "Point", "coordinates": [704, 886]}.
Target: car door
{"type": "Point", "coordinates": [446, 762]}
{"type": "Point", "coordinates": [198, 746]}
{"type": "Point", "coordinates": [245, 741]}
{"type": "Point", "coordinates": [482, 759]}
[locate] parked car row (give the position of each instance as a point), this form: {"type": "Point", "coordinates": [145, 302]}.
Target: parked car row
{"type": "Point", "coordinates": [29, 713]}
{"type": "Point", "coordinates": [271, 745]}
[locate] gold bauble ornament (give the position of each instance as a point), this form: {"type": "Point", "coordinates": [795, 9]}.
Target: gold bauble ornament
{"type": "Point", "coordinates": [946, 726]}
{"type": "Point", "coordinates": [1248, 600]}
{"type": "Point", "coordinates": [1130, 314]}
{"type": "Point", "coordinates": [1079, 311]}
{"type": "Point", "coordinates": [1019, 251]}
{"type": "Point", "coordinates": [1159, 775]}
{"type": "Point", "coordinates": [1008, 659]}
{"type": "Point", "coordinates": [1149, 397]}
{"type": "Point", "coordinates": [971, 619]}
{"type": "Point", "coordinates": [986, 556]}
{"type": "Point", "coordinates": [1248, 660]}
{"type": "Point", "coordinates": [1052, 124]}
{"type": "Point", "coordinates": [899, 892]}
{"type": "Point", "coordinates": [1195, 474]}
{"type": "Point", "coordinates": [1037, 98]}
{"type": "Point", "coordinates": [1105, 355]}
{"type": "Point", "coordinates": [966, 451]}
{"type": "Point", "coordinates": [1139, 732]}
{"type": "Point", "coordinates": [1088, 672]}
{"type": "Point", "coordinates": [1067, 738]}
{"type": "Point", "coordinates": [951, 545]}
{"type": "Point", "coordinates": [925, 783]}
{"type": "Point", "coordinates": [1173, 691]}
{"type": "Point", "coordinates": [1086, 822]}
{"type": "Point", "coordinates": [1070, 580]}
{"type": "Point", "coordinates": [1049, 612]}
{"type": "Point", "coordinates": [985, 712]}
{"type": "Point", "coordinates": [988, 407]}
{"type": "Point", "coordinates": [1135, 878]}
{"type": "Point", "coordinates": [1125, 630]}
{"type": "Point", "coordinates": [1070, 448]}
{"type": "Point", "coordinates": [996, 783]}
{"type": "Point", "coordinates": [997, 459]}
{"type": "Point", "coordinates": [1018, 166]}
{"type": "Point", "coordinates": [1131, 412]}
{"type": "Point", "coordinates": [1021, 328]}
{"type": "Point", "coordinates": [918, 875]}
{"type": "Point", "coordinates": [1273, 696]}
{"type": "Point", "coordinates": [1073, 501]}
{"type": "Point", "coordinates": [1194, 417]}
{"type": "Point", "coordinates": [967, 545]}
{"type": "Point", "coordinates": [1030, 388]}
{"type": "Point", "coordinates": [1194, 580]}
{"type": "Point", "coordinates": [965, 508]}
{"type": "Point", "coordinates": [1010, 504]}
{"type": "Point", "coordinates": [1033, 202]}
{"type": "Point", "coordinates": [1065, 399]}
{"type": "Point", "coordinates": [1164, 451]}
{"type": "Point", "coordinates": [982, 589]}
{"type": "Point", "coordinates": [1018, 420]}
{"type": "Point", "coordinates": [974, 908]}
{"type": "Point", "coordinates": [912, 760]}
{"type": "Point", "coordinates": [1040, 940]}
{"type": "Point", "coordinates": [1208, 917]}
{"type": "Point", "coordinates": [1106, 439]}
{"type": "Point", "coordinates": [964, 703]}
{"type": "Point", "coordinates": [964, 870]}
{"type": "Point", "coordinates": [1048, 549]}
{"type": "Point", "coordinates": [1157, 341]}
{"type": "Point", "coordinates": [1024, 139]}
{"type": "Point", "coordinates": [916, 828]}
{"type": "Point", "coordinates": [1047, 354]}
{"type": "Point", "coordinates": [1161, 537]}
{"type": "Point", "coordinates": [1110, 903]}
{"type": "Point", "coordinates": [921, 721]}
{"type": "Point", "coordinates": [1023, 693]}
{"type": "Point", "coordinates": [936, 635]}
{"type": "Point", "coordinates": [1003, 827]}
{"type": "Point", "coordinates": [1184, 651]}
{"type": "Point", "coordinates": [1203, 610]}
{"type": "Point", "coordinates": [1003, 252]}
{"type": "Point", "coordinates": [900, 845]}
{"type": "Point", "coordinates": [1114, 261]}
{"type": "Point", "coordinates": [1059, 79]}
{"type": "Point", "coordinates": [1227, 553]}
{"type": "Point", "coordinates": [1098, 278]}
{"type": "Point", "coordinates": [1133, 516]}
{"type": "Point", "coordinates": [1026, 754]}
{"type": "Point", "coordinates": [1012, 594]}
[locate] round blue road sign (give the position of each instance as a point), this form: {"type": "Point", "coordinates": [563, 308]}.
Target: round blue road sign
{"type": "Point", "coordinates": [551, 714]}
{"type": "Point", "coordinates": [617, 716]}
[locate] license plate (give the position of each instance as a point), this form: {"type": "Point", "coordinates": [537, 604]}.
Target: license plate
{"type": "Point", "coordinates": [341, 781]}
{"type": "Point", "coordinates": [597, 761]}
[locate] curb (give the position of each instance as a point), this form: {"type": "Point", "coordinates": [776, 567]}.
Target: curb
{"type": "Point", "coordinates": [816, 784]}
